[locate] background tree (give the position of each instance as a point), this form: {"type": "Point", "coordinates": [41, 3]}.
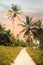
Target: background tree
{"type": "Point", "coordinates": [4, 36]}
{"type": "Point", "coordinates": [33, 27]}
{"type": "Point", "coordinates": [14, 12]}
{"type": "Point", "coordinates": [2, 28]}
{"type": "Point", "coordinates": [39, 33]}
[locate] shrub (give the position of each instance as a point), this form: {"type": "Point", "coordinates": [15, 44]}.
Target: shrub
{"type": "Point", "coordinates": [37, 55]}
{"type": "Point", "coordinates": [21, 43]}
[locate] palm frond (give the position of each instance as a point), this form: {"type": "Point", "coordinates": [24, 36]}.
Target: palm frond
{"type": "Point", "coordinates": [10, 11]}
{"type": "Point", "coordinates": [15, 7]}
{"type": "Point", "coordinates": [18, 17]}
{"type": "Point", "coordinates": [40, 32]}
{"type": "Point", "coordinates": [27, 32]}
{"type": "Point", "coordinates": [30, 19]}
{"type": "Point", "coordinates": [14, 10]}
{"type": "Point", "coordinates": [38, 23]}
{"type": "Point", "coordinates": [23, 25]}
{"type": "Point", "coordinates": [22, 31]}
{"type": "Point", "coordinates": [24, 22]}
{"type": "Point", "coordinates": [19, 12]}
{"type": "Point", "coordinates": [27, 20]}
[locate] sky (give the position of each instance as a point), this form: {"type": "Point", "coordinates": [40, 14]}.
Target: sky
{"type": "Point", "coordinates": [33, 6]}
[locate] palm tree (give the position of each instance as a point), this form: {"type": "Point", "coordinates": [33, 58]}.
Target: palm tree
{"type": "Point", "coordinates": [32, 27]}
{"type": "Point", "coordinates": [13, 12]}
{"type": "Point", "coordinates": [27, 29]}
{"type": "Point", "coordinates": [39, 31]}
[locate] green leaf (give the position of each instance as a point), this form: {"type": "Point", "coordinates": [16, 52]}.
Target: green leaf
{"type": "Point", "coordinates": [15, 7]}
{"type": "Point", "coordinates": [22, 25]}
{"type": "Point", "coordinates": [38, 23]}
{"type": "Point", "coordinates": [27, 20]}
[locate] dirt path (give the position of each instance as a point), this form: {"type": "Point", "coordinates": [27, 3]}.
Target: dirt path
{"type": "Point", "coordinates": [23, 59]}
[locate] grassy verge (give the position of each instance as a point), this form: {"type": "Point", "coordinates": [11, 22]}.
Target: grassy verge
{"type": "Point", "coordinates": [36, 55]}
{"type": "Point", "coordinates": [8, 54]}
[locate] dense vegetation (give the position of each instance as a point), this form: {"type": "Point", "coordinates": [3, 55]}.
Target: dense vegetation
{"type": "Point", "coordinates": [4, 36]}
{"type": "Point", "coordinates": [8, 54]}
{"type": "Point", "coordinates": [8, 39]}
{"type": "Point", "coordinates": [37, 55]}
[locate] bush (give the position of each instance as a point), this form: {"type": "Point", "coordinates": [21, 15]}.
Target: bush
{"type": "Point", "coordinates": [4, 39]}
{"type": "Point", "coordinates": [8, 54]}
{"type": "Point", "coordinates": [21, 43]}
{"type": "Point", "coordinates": [37, 55]}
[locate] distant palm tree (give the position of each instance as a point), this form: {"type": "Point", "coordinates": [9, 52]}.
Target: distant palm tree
{"type": "Point", "coordinates": [13, 12]}
{"type": "Point", "coordinates": [32, 27]}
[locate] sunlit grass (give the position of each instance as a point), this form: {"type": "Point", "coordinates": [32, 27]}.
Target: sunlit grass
{"type": "Point", "coordinates": [8, 54]}
{"type": "Point", "coordinates": [37, 55]}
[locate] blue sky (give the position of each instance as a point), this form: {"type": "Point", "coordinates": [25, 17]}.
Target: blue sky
{"type": "Point", "coordinates": [35, 6]}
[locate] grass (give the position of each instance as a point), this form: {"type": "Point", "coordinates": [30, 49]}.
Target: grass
{"type": "Point", "coordinates": [8, 54]}
{"type": "Point", "coordinates": [37, 55]}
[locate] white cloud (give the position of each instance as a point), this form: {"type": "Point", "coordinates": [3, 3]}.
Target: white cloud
{"type": "Point", "coordinates": [3, 8]}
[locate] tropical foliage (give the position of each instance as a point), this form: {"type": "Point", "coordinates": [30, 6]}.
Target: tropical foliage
{"type": "Point", "coordinates": [33, 27]}
{"type": "Point", "coordinates": [36, 54]}
{"type": "Point", "coordinates": [14, 11]}
{"type": "Point", "coordinates": [4, 36]}
{"type": "Point", "coordinates": [8, 39]}
{"type": "Point", "coordinates": [8, 54]}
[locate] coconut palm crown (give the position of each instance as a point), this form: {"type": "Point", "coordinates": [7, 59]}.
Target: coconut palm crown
{"type": "Point", "coordinates": [14, 10]}
{"type": "Point", "coordinates": [35, 27]}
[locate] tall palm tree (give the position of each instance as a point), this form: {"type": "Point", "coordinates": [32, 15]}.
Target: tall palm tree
{"type": "Point", "coordinates": [32, 27]}
{"type": "Point", "coordinates": [13, 12]}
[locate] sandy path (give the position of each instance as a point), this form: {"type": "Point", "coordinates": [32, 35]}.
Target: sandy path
{"type": "Point", "coordinates": [23, 59]}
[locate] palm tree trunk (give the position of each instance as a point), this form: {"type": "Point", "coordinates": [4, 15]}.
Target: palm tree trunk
{"type": "Point", "coordinates": [13, 26]}
{"type": "Point", "coordinates": [13, 23]}
{"type": "Point", "coordinates": [41, 44]}
{"type": "Point", "coordinates": [31, 42]}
